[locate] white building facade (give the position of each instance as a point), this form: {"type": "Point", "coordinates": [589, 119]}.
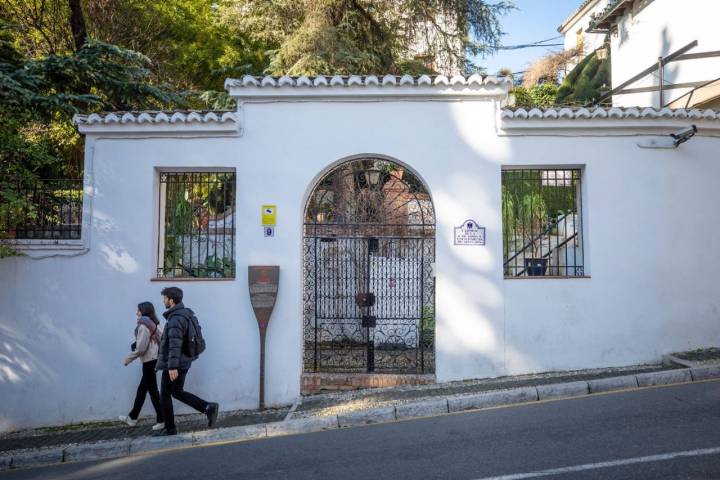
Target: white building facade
{"type": "Point", "coordinates": [642, 281]}
{"type": "Point", "coordinates": [573, 29]}
{"type": "Point", "coordinates": [639, 33]}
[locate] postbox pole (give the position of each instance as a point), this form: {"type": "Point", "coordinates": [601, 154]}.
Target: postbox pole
{"type": "Point", "coordinates": [263, 286]}
{"type": "Point", "coordinates": [263, 332]}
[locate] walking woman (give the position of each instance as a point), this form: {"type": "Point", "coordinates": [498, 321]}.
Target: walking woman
{"type": "Point", "coordinates": [147, 341]}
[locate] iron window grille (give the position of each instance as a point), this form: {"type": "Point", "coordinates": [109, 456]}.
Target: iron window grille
{"type": "Point", "coordinates": [46, 210]}
{"type": "Point", "coordinates": [542, 223]}
{"type": "Point", "coordinates": [196, 225]}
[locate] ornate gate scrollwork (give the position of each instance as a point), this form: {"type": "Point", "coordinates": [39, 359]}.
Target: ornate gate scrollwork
{"type": "Point", "coordinates": [369, 291]}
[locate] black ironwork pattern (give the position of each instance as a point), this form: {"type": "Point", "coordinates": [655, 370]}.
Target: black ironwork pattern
{"type": "Point", "coordinates": [47, 210]}
{"type": "Point", "coordinates": [542, 222]}
{"type": "Point", "coordinates": [197, 225]}
{"type": "Point", "coordinates": [369, 288]}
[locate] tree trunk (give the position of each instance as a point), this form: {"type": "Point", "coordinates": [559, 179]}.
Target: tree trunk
{"type": "Point", "coordinates": [77, 23]}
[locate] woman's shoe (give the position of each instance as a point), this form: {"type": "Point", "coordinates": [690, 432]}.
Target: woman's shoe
{"type": "Point", "coordinates": [164, 433]}
{"type": "Point", "coordinates": [158, 426]}
{"type": "Point", "coordinates": [128, 420]}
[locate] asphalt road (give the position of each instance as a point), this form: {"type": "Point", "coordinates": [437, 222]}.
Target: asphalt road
{"type": "Point", "coordinates": [660, 433]}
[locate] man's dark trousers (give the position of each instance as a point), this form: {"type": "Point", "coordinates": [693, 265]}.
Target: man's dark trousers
{"type": "Point", "coordinates": [170, 389]}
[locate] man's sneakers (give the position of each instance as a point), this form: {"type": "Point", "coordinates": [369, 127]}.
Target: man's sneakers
{"type": "Point", "coordinates": [164, 433]}
{"type": "Point", "coordinates": [158, 426]}
{"type": "Point", "coordinates": [128, 420]}
{"type": "Point", "coordinates": [212, 413]}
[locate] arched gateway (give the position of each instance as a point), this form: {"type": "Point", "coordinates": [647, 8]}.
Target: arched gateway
{"type": "Point", "coordinates": [369, 290]}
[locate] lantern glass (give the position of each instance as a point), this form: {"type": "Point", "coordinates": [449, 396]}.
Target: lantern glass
{"type": "Point", "coordinates": [372, 177]}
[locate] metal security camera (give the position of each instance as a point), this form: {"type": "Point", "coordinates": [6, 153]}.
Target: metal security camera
{"type": "Point", "coordinates": [683, 135]}
{"type": "Point", "coordinates": [671, 141]}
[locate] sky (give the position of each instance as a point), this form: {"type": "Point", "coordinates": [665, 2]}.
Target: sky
{"type": "Point", "coordinates": [534, 20]}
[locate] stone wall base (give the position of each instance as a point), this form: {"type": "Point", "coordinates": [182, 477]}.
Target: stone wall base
{"type": "Point", "coordinates": [313, 383]}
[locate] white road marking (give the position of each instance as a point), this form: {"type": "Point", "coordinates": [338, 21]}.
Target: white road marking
{"type": "Point", "coordinates": [608, 464]}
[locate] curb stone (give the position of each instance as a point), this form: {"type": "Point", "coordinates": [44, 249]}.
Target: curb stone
{"type": "Point", "coordinates": [459, 403]}
{"type": "Point", "coordinates": [247, 432]}
{"type": "Point", "coordinates": [37, 457]}
{"type": "Point", "coordinates": [613, 383]}
{"type": "Point", "coordinates": [141, 445]}
{"type": "Point", "coordinates": [563, 390]}
{"type": "Point", "coordinates": [664, 378]}
{"type": "Point", "coordinates": [302, 425]}
{"type": "Point", "coordinates": [422, 409]}
{"type": "Point", "coordinates": [366, 417]}
{"type": "Point", "coordinates": [705, 373]}
{"type": "Point", "coordinates": [96, 451]}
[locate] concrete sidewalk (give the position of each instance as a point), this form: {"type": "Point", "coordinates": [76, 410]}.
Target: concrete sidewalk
{"type": "Point", "coordinates": [328, 411]}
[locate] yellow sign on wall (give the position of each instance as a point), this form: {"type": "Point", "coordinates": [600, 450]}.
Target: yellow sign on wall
{"type": "Point", "coordinates": [269, 215]}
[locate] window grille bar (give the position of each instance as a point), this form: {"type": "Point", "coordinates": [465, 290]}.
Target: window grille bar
{"type": "Point", "coordinates": [579, 269]}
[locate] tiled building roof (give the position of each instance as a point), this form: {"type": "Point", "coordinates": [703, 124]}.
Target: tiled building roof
{"type": "Point", "coordinates": [604, 20]}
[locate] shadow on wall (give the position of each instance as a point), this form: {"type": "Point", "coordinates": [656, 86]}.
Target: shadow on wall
{"type": "Point", "coordinates": [670, 71]}
{"type": "Point", "coordinates": [116, 256]}
{"type": "Point", "coordinates": [624, 27]}
{"type": "Point", "coordinates": [467, 332]}
{"type": "Point", "coordinates": [102, 223]}
{"type": "Point", "coordinates": [17, 362]}
{"type": "Point", "coordinates": [471, 329]}
{"type": "Point", "coordinates": [119, 259]}
{"type": "Point", "coordinates": [23, 346]}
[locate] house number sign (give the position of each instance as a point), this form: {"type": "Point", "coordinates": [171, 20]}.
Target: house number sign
{"type": "Point", "coordinates": [469, 233]}
{"type": "Point", "coordinates": [263, 284]}
{"type": "Point", "coordinates": [268, 219]}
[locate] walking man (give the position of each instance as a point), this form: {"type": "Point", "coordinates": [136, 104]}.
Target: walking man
{"type": "Point", "coordinates": [174, 363]}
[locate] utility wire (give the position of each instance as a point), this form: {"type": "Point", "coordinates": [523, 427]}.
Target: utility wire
{"type": "Point", "coordinates": [539, 43]}
{"type": "Point", "coordinates": [518, 47]}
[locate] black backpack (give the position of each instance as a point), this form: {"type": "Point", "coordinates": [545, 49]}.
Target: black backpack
{"type": "Point", "coordinates": [193, 342]}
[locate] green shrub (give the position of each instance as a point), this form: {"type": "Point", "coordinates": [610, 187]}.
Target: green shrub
{"type": "Point", "coordinates": [539, 96]}
{"type": "Point", "coordinates": [586, 82]}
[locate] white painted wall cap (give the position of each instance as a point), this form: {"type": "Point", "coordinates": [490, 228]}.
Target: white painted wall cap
{"type": "Point", "coordinates": [249, 81]}
{"type": "Point", "coordinates": [366, 87]}
{"type": "Point", "coordinates": [179, 122]}
{"type": "Point", "coordinates": [156, 117]}
{"type": "Point", "coordinates": [616, 113]}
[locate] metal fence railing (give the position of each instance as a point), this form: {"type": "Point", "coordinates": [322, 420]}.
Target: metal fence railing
{"type": "Point", "coordinates": [47, 210]}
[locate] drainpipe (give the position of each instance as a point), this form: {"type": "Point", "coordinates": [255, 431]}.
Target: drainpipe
{"type": "Point", "coordinates": [661, 69]}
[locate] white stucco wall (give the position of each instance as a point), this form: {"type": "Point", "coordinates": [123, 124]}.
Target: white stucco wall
{"type": "Point", "coordinates": [655, 29]}
{"type": "Point", "coordinates": [649, 230]}
{"type": "Point", "coordinates": [66, 323]}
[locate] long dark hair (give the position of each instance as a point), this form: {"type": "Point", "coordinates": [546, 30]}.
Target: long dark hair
{"type": "Point", "coordinates": [148, 310]}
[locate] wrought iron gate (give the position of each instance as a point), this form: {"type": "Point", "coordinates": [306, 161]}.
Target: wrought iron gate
{"type": "Point", "coordinates": [369, 285]}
